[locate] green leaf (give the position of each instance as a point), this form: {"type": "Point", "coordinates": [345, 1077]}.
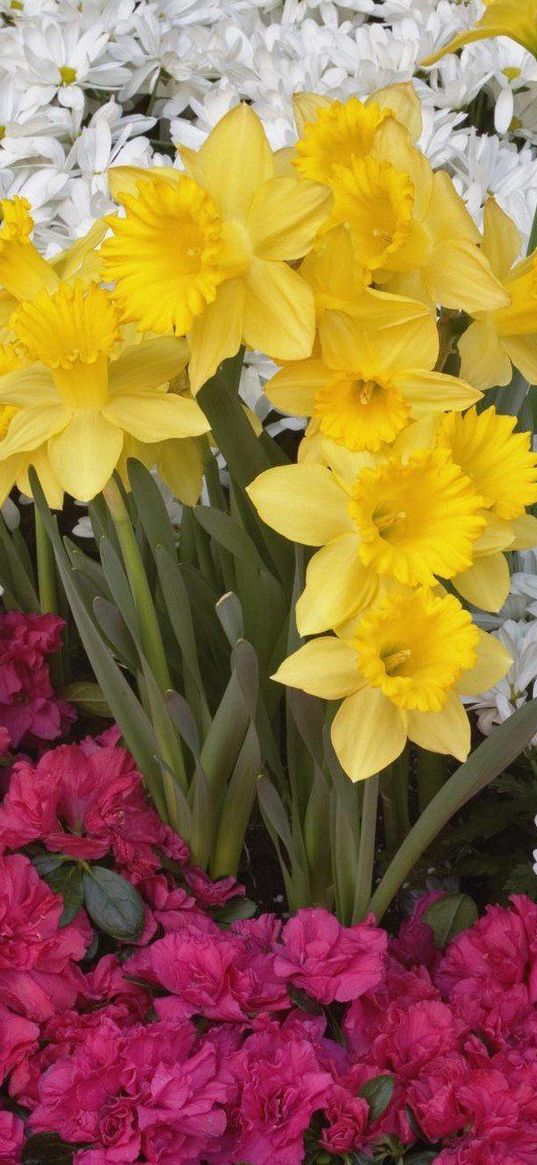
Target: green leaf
{"type": "Point", "coordinates": [229, 612]}
{"type": "Point", "coordinates": [14, 575]}
{"type": "Point", "coordinates": [66, 880]}
{"type": "Point", "coordinates": [88, 697]}
{"type": "Point", "coordinates": [183, 719]}
{"type": "Point", "coordinates": [177, 603]}
{"type": "Point", "coordinates": [378, 1092]}
{"type": "Point", "coordinates": [303, 1001]}
{"type": "Point", "coordinates": [422, 1157]}
{"type": "Point", "coordinates": [127, 710]}
{"type": "Point", "coordinates": [119, 586]}
{"type": "Point", "coordinates": [237, 808]}
{"type": "Point", "coordinates": [45, 863]}
{"type": "Point", "coordinates": [493, 756]}
{"type": "Point", "coordinates": [449, 915]}
{"type": "Point", "coordinates": [116, 632]}
{"type": "Point", "coordinates": [151, 508]}
{"type": "Point", "coordinates": [113, 904]}
{"type": "Point", "coordinates": [229, 534]}
{"type": "Point", "coordinates": [48, 1149]}
{"type": "Point", "coordinates": [234, 911]}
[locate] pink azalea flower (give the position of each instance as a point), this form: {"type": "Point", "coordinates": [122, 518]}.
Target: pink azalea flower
{"type": "Point", "coordinates": [11, 1138]}
{"type": "Point", "coordinates": [29, 709]}
{"type": "Point", "coordinates": [281, 1085]}
{"type": "Point", "coordinates": [329, 961]}
{"type": "Point", "coordinates": [37, 958]}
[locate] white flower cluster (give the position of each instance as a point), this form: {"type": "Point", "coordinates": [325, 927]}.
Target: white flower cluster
{"type": "Point", "coordinates": [85, 84]}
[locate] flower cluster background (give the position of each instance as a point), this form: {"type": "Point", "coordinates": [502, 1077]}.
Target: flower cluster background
{"type": "Point", "coordinates": [85, 87]}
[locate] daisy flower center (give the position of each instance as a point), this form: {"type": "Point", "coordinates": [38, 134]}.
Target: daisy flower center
{"type": "Point", "coordinates": [168, 255]}
{"type": "Point", "coordinates": [377, 202]}
{"type": "Point", "coordinates": [341, 131]}
{"type": "Point", "coordinates": [417, 520]}
{"type": "Point", "coordinates": [414, 647]}
{"type": "Point", "coordinates": [360, 412]}
{"type": "Point", "coordinates": [67, 74]}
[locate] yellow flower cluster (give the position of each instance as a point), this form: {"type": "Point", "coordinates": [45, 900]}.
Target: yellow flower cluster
{"type": "Point", "coordinates": [410, 490]}
{"type": "Point", "coordinates": [333, 257]}
{"type": "Point", "coordinates": [78, 394]}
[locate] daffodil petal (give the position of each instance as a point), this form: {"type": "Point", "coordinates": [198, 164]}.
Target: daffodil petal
{"type": "Point", "coordinates": [234, 161]}
{"type": "Point", "coordinates": [502, 243]}
{"type": "Point", "coordinates": [85, 455]}
{"type": "Point", "coordinates": [28, 387]}
{"type": "Point", "coordinates": [446, 732]}
{"type": "Point", "coordinates": [152, 417]}
{"type": "Point", "coordinates": [325, 667]}
{"type": "Point", "coordinates": [351, 343]}
{"type": "Point", "coordinates": [31, 427]}
{"type": "Point", "coordinates": [404, 102]}
{"type": "Point", "coordinates": [522, 351]}
{"type": "Point", "coordinates": [181, 467]}
{"type": "Point", "coordinates": [449, 217]}
{"type": "Point", "coordinates": [285, 216]}
{"type": "Point", "coordinates": [435, 391]}
{"type": "Point", "coordinates": [279, 311]}
{"type": "Point", "coordinates": [484, 359]}
{"type": "Point", "coordinates": [141, 367]}
{"type": "Point", "coordinates": [302, 502]}
{"type": "Point", "coordinates": [524, 532]}
{"type": "Point", "coordinates": [368, 733]}
{"type": "Point", "coordinates": [9, 468]}
{"type": "Point", "coordinates": [40, 461]}
{"type": "Point", "coordinates": [217, 333]}
{"type": "Point", "coordinates": [337, 585]}
{"type": "Point", "coordinates": [292, 390]}
{"type": "Point", "coordinates": [486, 583]}
{"type": "Point", "coordinates": [493, 663]}
{"type": "Point", "coordinates": [458, 275]}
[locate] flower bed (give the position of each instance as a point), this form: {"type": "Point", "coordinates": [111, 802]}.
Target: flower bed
{"type": "Point", "coordinates": [253, 1040]}
{"type": "Point", "coordinates": [268, 531]}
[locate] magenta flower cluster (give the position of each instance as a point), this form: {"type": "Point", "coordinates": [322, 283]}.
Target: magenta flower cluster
{"type": "Point", "coordinates": [248, 1043]}
{"type": "Point", "coordinates": [259, 1042]}
{"type": "Point", "coordinates": [30, 711]}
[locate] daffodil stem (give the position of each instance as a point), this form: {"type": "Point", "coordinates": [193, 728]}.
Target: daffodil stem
{"type": "Point", "coordinates": [48, 590]}
{"type": "Point", "coordinates": [366, 850]}
{"type": "Point", "coordinates": [141, 593]}
{"type": "Point", "coordinates": [431, 769]}
{"type": "Point", "coordinates": [46, 568]}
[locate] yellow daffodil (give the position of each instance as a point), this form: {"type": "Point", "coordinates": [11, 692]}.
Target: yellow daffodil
{"type": "Point", "coordinates": [79, 399]}
{"type": "Point", "coordinates": [333, 132]}
{"type": "Point", "coordinates": [408, 225]}
{"type": "Point", "coordinates": [503, 470]}
{"type": "Point", "coordinates": [207, 253]}
{"type": "Point", "coordinates": [394, 521]}
{"type": "Point", "coordinates": [497, 340]}
{"type": "Point", "coordinates": [24, 272]}
{"type": "Point", "coordinates": [514, 18]}
{"type": "Point", "coordinates": [411, 228]}
{"type": "Point", "coordinates": [401, 676]}
{"type": "Point", "coordinates": [376, 372]}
